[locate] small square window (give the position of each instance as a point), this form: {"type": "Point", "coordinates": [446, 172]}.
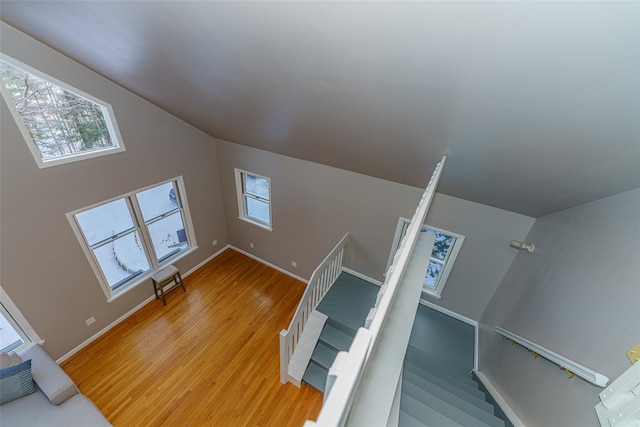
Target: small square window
{"type": "Point", "coordinates": [59, 123]}
{"type": "Point", "coordinates": [254, 198]}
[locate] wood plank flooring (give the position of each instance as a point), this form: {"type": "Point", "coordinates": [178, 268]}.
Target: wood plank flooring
{"type": "Point", "coordinates": [209, 357]}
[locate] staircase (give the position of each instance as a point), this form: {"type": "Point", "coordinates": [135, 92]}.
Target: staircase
{"type": "Point", "coordinates": [335, 337]}
{"type": "Point", "coordinates": [435, 393]}
{"type": "Point", "coordinates": [346, 306]}
{"type": "Point", "coordinates": [437, 386]}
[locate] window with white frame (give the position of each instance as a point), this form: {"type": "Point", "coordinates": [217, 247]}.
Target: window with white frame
{"type": "Point", "coordinates": [444, 253]}
{"type": "Point", "coordinates": [254, 198]}
{"type": "Point", "coordinates": [59, 123]}
{"type": "Point", "coordinates": [15, 331]}
{"type": "Point", "coordinates": [127, 238]}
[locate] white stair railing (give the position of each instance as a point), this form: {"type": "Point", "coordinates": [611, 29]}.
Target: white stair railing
{"type": "Point", "coordinates": [348, 391]}
{"type": "Point", "coordinates": [321, 281]}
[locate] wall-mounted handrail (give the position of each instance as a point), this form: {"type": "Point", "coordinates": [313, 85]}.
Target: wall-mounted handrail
{"type": "Point", "coordinates": [340, 397]}
{"type": "Point", "coordinates": [322, 278]}
{"type": "Point", "coordinates": [564, 363]}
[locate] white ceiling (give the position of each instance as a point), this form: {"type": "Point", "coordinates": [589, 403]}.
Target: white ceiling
{"type": "Point", "coordinates": [537, 103]}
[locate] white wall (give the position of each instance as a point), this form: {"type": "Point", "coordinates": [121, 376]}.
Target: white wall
{"type": "Point", "coordinates": [578, 294]}
{"type": "Point", "coordinates": [314, 205]}
{"type": "Point", "coordinates": [43, 268]}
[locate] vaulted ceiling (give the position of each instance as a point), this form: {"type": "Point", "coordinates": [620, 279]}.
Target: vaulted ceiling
{"type": "Point", "coordinates": [537, 103]}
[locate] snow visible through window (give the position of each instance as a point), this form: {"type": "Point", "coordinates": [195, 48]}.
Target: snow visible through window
{"type": "Point", "coordinates": [116, 232]}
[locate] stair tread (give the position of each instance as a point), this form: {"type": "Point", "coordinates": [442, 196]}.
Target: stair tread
{"type": "Point", "coordinates": [475, 396]}
{"type": "Point", "coordinates": [315, 376]}
{"type": "Point", "coordinates": [426, 361]}
{"type": "Point", "coordinates": [483, 414]}
{"type": "Point", "coordinates": [346, 329]}
{"type": "Point", "coordinates": [465, 385]}
{"type": "Point", "coordinates": [406, 420]}
{"type": "Point", "coordinates": [425, 414]}
{"type": "Point", "coordinates": [442, 406]}
{"type": "Point", "coordinates": [335, 338]}
{"type": "Point", "coordinates": [324, 355]}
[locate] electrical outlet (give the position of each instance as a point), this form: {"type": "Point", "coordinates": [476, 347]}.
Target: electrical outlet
{"type": "Point", "coordinates": [294, 264]}
{"type": "Point", "coordinates": [90, 320]}
{"type": "Point", "coordinates": [215, 242]}
{"type": "Point", "coordinates": [251, 244]}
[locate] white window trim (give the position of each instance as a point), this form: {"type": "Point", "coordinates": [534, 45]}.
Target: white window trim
{"type": "Point", "coordinates": [241, 204]}
{"type": "Point", "coordinates": [19, 322]}
{"type": "Point", "coordinates": [107, 110]}
{"type": "Point", "coordinates": [154, 266]}
{"type": "Point", "coordinates": [450, 259]}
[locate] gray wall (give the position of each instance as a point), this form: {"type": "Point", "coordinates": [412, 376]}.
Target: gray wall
{"type": "Point", "coordinates": [578, 295]}
{"type": "Point", "coordinates": [314, 205]}
{"type": "Point", "coordinates": [485, 255]}
{"type": "Point", "coordinates": [43, 268]}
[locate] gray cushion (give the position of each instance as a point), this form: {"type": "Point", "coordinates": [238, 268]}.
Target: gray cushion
{"type": "Point", "coordinates": [9, 359]}
{"type": "Point", "coordinates": [36, 410]}
{"type": "Point", "coordinates": [16, 382]}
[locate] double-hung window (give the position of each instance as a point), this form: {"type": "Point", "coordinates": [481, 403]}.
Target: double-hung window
{"type": "Point", "coordinates": [254, 198]}
{"type": "Point", "coordinates": [15, 331]}
{"type": "Point", "coordinates": [444, 253]}
{"type": "Point", "coordinates": [129, 237]}
{"type": "Point", "coordinates": [59, 123]}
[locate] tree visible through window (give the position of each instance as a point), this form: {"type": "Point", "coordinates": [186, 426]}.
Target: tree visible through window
{"type": "Point", "coordinates": [443, 255]}
{"type": "Point", "coordinates": [439, 254]}
{"type": "Point", "coordinates": [59, 123]}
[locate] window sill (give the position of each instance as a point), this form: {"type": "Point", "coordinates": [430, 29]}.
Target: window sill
{"type": "Point", "coordinates": [144, 277]}
{"type": "Point", "coordinates": [430, 293]}
{"type": "Point", "coordinates": [254, 222]}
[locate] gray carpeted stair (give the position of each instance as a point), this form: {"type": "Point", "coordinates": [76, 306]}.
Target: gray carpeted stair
{"type": "Point", "coordinates": [437, 388]}
{"type": "Point", "coordinates": [334, 337]}
{"type": "Point", "coordinates": [436, 393]}
{"type": "Point", "coordinates": [346, 306]}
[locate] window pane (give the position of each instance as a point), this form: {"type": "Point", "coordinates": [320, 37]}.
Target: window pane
{"type": "Point", "coordinates": [442, 244]}
{"type": "Point", "coordinates": [106, 221]}
{"type": "Point", "coordinates": [168, 235]}
{"type": "Point", "coordinates": [9, 338]}
{"type": "Point", "coordinates": [157, 201]}
{"type": "Point", "coordinates": [257, 209]}
{"type": "Point", "coordinates": [122, 259]}
{"type": "Point", "coordinates": [432, 274]}
{"type": "Point", "coordinates": [61, 123]}
{"type": "Point", "coordinates": [256, 186]}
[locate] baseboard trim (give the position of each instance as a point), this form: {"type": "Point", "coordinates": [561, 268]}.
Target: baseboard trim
{"type": "Point", "coordinates": [275, 267]}
{"type": "Point", "coordinates": [104, 330]}
{"type": "Point", "coordinates": [362, 276]}
{"type": "Point", "coordinates": [130, 312]}
{"type": "Point", "coordinates": [515, 420]}
{"type": "Point", "coordinates": [449, 313]}
{"type": "Point", "coordinates": [206, 260]}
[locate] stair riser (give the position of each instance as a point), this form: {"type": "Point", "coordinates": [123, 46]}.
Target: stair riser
{"type": "Point", "coordinates": [453, 405]}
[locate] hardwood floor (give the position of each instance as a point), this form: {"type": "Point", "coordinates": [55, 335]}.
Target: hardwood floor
{"type": "Point", "coordinates": [209, 357]}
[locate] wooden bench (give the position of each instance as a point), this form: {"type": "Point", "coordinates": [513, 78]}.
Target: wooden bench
{"type": "Point", "coordinates": [168, 276]}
